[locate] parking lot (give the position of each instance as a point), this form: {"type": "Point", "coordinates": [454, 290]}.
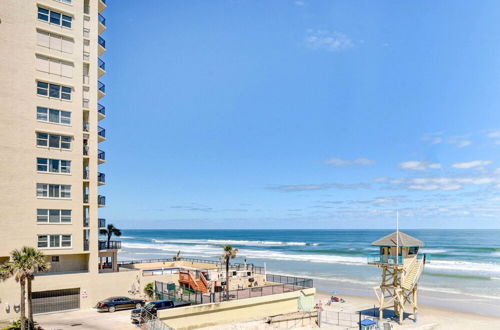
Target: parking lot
{"type": "Point", "coordinates": [86, 320]}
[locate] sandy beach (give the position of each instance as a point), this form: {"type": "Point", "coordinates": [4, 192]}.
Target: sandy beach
{"type": "Point", "coordinates": [429, 317]}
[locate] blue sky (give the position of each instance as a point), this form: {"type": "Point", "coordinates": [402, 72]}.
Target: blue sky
{"type": "Point", "coordinates": [302, 114]}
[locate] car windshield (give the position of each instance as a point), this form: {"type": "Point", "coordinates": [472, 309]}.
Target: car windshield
{"type": "Point", "coordinates": [149, 306]}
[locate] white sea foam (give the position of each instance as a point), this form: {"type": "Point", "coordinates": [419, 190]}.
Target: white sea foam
{"type": "Point", "coordinates": [464, 266]}
{"type": "Point", "coordinates": [426, 250]}
{"type": "Point", "coordinates": [232, 242]}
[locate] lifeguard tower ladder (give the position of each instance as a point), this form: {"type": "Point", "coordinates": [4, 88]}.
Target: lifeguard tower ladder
{"type": "Point", "coordinates": [401, 266]}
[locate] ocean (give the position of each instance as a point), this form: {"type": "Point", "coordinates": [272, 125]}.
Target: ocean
{"type": "Point", "coordinates": [464, 268]}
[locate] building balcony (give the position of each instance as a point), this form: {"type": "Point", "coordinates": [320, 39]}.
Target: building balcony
{"type": "Point", "coordinates": [112, 245]}
{"type": "Point", "coordinates": [101, 133]}
{"type": "Point", "coordinates": [101, 179]}
{"type": "Point", "coordinates": [102, 45]}
{"type": "Point", "coordinates": [86, 126]}
{"type": "Point", "coordinates": [102, 5]}
{"type": "Point", "coordinates": [86, 221]}
{"type": "Point", "coordinates": [86, 56]}
{"type": "Point", "coordinates": [85, 245]}
{"type": "Point", "coordinates": [86, 150]}
{"type": "Point", "coordinates": [102, 23]}
{"type": "Point", "coordinates": [85, 198]}
{"type": "Point", "coordinates": [101, 67]}
{"type": "Point", "coordinates": [101, 89]}
{"type": "Point", "coordinates": [85, 103]}
{"type": "Point", "coordinates": [102, 223]}
{"type": "Point", "coordinates": [101, 201]}
{"type": "Point", "coordinates": [86, 33]}
{"type": "Point", "coordinates": [101, 156]}
{"type": "Point", "coordinates": [379, 259]}
{"type": "Point", "coordinates": [86, 80]}
{"type": "Point", "coordinates": [85, 174]}
{"type": "Point", "coordinates": [101, 111]}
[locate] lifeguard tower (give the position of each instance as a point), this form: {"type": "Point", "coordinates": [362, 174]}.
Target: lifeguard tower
{"type": "Point", "coordinates": [401, 266]}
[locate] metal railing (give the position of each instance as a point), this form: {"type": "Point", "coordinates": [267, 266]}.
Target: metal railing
{"type": "Point", "coordinates": [101, 42]}
{"type": "Point", "coordinates": [86, 126]}
{"type": "Point", "coordinates": [145, 261]}
{"type": "Point", "coordinates": [304, 282]}
{"type": "Point", "coordinates": [101, 131]}
{"type": "Point", "coordinates": [86, 198]}
{"type": "Point", "coordinates": [152, 322]}
{"type": "Point", "coordinates": [86, 33]}
{"type": "Point", "coordinates": [101, 177]}
{"type": "Point", "coordinates": [85, 245]}
{"type": "Point", "coordinates": [101, 155]}
{"type": "Point", "coordinates": [101, 200]}
{"type": "Point", "coordinates": [101, 87]}
{"type": "Point", "coordinates": [85, 103]}
{"type": "Point", "coordinates": [85, 221]}
{"type": "Point", "coordinates": [86, 9]}
{"type": "Point", "coordinates": [101, 64]}
{"type": "Point", "coordinates": [101, 109]}
{"type": "Point", "coordinates": [113, 245]}
{"type": "Point", "coordinates": [102, 20]}
{"type": "Point", "coordinates": [86, 173]}
{"type": "Point", "coordinates": [85, 149]}
{"type": "Point", "coordinates": [385, 259]}
{"type": "Point", "coordinates": [102, 222]}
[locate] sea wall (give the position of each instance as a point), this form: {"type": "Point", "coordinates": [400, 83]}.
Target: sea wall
{"type": "Point", "coordinates": [198, 316]}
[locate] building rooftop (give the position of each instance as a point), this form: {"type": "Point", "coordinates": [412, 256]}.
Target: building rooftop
{"type": "Point", "coordinates": [404, 240]}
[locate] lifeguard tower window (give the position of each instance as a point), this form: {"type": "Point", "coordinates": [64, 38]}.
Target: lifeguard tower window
{"type": "Point", "coordinates": [384, 250]}
{"type": "Point", "coordinates": [413, 250]}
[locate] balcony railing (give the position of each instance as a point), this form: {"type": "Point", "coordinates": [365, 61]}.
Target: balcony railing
{"type": "Point", "coordinates": [85, 174]}
{"type": "Point", "coordinates": [86, 126]}
{"type": "Point", "coordinates": [101, 132]}
{"type": "Point", "coordinates": [86, 56]}
{"type": "Point", "coordinates": [101, 200]}
{"type": "Point", "coordinates": [101, 64]}
{"type": "Point", "coordinates": [101, 177]}
{"type": "Point", "coordinates": [85, 103]}
{"type": "Point", "coordinates": [101, 42]}
{"type": "Point", "coordinates": [85, 221]}
{"type": "Point", "coordinates": [86, 79]}
{"type": "Point", "coordinates": [85, 245]}
{"type": "Point", "coordinates": [101, 87]}
{"type": "Point", "coordinates": [86, 9]}
{"type": "Point", "coordinates": [86, 150]}
{"type": "Point", "coordinates": [102, 20]}
{"type": "Point", "coordinates": [102, 223]}
{"type": "Point", "coordinates": [86, 198]}
{"type": "Point", "coordinates": [101, 155]}
{"type": "Point", "coordinates": [86, 33]}
{"type": "Point", "coordinates": [385, 259]}
{"type": "Point", "coordinates": [111, 245]}
{"type": "Point", "coordinates": [101, 109]}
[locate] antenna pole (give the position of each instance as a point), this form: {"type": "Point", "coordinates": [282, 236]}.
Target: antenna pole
{"type": "Point", "coordinates": [397, 236]}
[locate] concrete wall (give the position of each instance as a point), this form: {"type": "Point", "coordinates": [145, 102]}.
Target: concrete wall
{"type": "Point", "coordinates": [233, 311]}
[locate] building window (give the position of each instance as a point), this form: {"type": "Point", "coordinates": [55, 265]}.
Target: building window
{"type": "Point", "coordinates": [53, 165]}
{"type": "Point", "coordinates": [53, 216]}
{"type": "Point", "coordinates": [54, 241]}
{"type": "Point", "coordinates": [44, 190]}
{"type": "Point", "coordinates": [53, 90]}
{"type": "Point", "coordinates": [54, 66]}
{"type": "Point", "coordinates": [53, 141]}
{"type": "Point", "coordinates": [55, 17]}
{"type": "Point", "coordinates": [55, 258]}
{"type": "Point", "coordinates": [55, 41]}
{"type": "Point", "coordinates": [53, 116]}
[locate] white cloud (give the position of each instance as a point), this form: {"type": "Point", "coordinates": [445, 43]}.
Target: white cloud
{"type": "Point", "coordinates": [494, 134]}
{"type": "Point", "coordinates": [471, 164]}
{"type": "Point", "coordinates": [416, 165]}
{"type": "Point", "coordinates": [380, 179]}
{"type": "Point", "coordinates": [327, 40]}
{"type": "Point", "coordinates": [438, 137]}
{"type": "Point", "coordinates": [334, 161]}
{"type": "Point", "coordinates": [433, 138]}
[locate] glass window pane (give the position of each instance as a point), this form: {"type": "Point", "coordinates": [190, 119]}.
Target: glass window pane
{"type": "Point", "coordinates": [54, 190]}
{"type": "Point", "coordinates": [54, 216]}
{"type": "Point", "coordinates": [55, 241]}
{"type": "Point", "coordinates": [65, 191]}
{"type": "Point", "coordinates": [65, 117]}
{"type": "Point", "coordinates": [41, 164]}
{"type": "Point", "coordinates": [41, 113]}
{"type": "Point", "coordinates": [66, 240]}
{"type": "Point", "coordinates": [65, 166]}
{"type": "Point", "coordinates": [66, 216]}
{"type": "Point", "coordinates": [41, 190]}
{"type": "Point", "coordinates": [66, 21]}
{"type": "Point", "coordinates": [41, 139]}
{"type": "Point", "coordinates": [55, 91]}
{"type": "Point", "coordinates": [54, 141]}
{"type": "Point", "coordinates": [43, 14]}
{"type": "Point", "coordinates": [66, 93]}
{"type": "Point", "coordinates": [42, 241]}
{"type": "Point", "coordinates": [55, 18]}
{"type": "Point", "coordinates": [54, 165]}
{"type": "Point", "coordinates": [65, 142]}
{"type": "Point", "coordinates": [54, 116]}
{"type": "Point", "coordinates": [42, 88]}
{"type": "Point", "coordinates": [42, 215]}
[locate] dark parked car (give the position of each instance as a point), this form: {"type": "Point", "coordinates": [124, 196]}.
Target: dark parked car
{"type": "Point", "coordinates": [141, 315]}
{"type": "Point", "coordinates": [115, 303]}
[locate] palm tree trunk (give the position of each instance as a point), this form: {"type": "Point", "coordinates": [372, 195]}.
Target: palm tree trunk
{"type": "Point", "coordinates": [227, 278]}
{"type": "Point", "coordinates": [23, 304]}
{"type": "Point", "coordinates": [30, 305]}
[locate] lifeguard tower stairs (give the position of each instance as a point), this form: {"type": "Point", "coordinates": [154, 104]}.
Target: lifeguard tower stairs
{"type": "Point", "coordinates": [401, 265]}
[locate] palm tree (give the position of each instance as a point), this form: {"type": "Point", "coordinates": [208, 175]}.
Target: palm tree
{"type": "Point", "coordinates": [22, 265]}
{"type": "Point", "coordinates": [110, 230]}
{"type": "Point", "coordinates": [229, 253]}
